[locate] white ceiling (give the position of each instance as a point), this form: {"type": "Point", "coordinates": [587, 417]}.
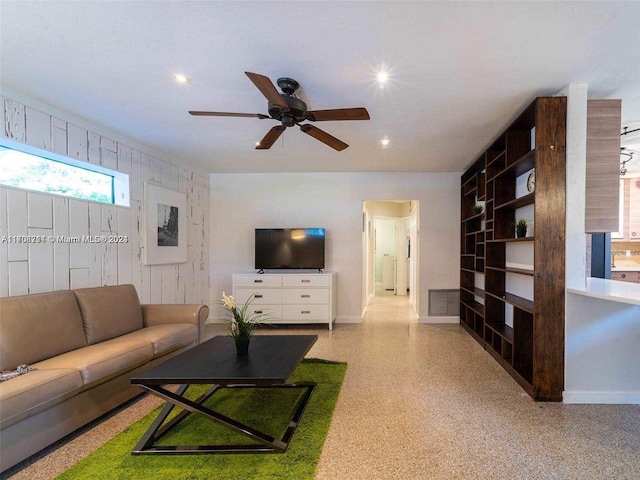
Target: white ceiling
{"type": "Point", "coordinates": [460, 72]}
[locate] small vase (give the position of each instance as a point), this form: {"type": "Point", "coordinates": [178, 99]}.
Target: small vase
{"type": "Point", "coordinates": [521, 232]}
{"type": "Point", "coordinates": [242, 347]}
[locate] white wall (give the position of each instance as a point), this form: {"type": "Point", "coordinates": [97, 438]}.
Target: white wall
{"type": "Point", "coordinates": [242, 202]}
{"type": "Point", "coordinates": [56, 266]}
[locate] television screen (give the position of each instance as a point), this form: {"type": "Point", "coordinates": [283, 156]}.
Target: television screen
{"type": "Point", "coordinates": [280, 248]}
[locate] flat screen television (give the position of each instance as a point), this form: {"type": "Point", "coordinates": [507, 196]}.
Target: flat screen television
{"type": "Point", "coordinates": [289, 248]}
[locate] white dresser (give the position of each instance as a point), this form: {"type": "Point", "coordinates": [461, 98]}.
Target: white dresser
{"type": "Point", "coordinates": [289, 297]}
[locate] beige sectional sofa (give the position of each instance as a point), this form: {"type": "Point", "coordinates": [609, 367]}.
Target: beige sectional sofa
{"type": "Point", "coordinates": [84, 346]}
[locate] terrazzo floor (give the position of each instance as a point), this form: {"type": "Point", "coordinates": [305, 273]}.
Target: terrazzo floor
{"type": "Point", "coordinates": [425, 402]}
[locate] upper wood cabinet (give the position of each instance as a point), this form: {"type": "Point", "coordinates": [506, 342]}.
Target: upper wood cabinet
{"type": "Point", "coordinates": [603, 166]}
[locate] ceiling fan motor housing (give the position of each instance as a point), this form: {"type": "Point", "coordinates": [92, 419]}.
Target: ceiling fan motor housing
{"type": "Point", "coordinates": [296, 113]}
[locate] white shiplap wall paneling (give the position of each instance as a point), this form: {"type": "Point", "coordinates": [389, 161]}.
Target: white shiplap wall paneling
{"type": "Point", "coordinates": [41, 254]}
{"type": "Point", "coordinates": [136, 183]}
{"type": "Point", "coordinates": [155, 171]}
{"type": "Point", "coordinates": [124, 159]}
{"type": "Point", "coordinates": [78, 227]}
{"type": "Point", "coordinates": [40, 208]}
{"type": "Point", "coordinates": [169, 284]}
{"type": "Point", "coordinates": [95, 249]}
{"type": "Point", "coordinates": [108, 153]}
{"type": "Point", "coordinates": [4, 246]}
{"type": "Point", "coordinates": [109, 249]}
{"type": "Point", "coordinates": [109, 263]}
{"type": "Point", "coordinates": [3, 117]}
{"type": "Point", "coordinates": [61, 265]}
{"type": "Point", "coordinates": [61, 250]}
{"type": "Point", "coordinates": [38, 128]}
{"type": "Point", "coordinates": [79, 278]}
{"type": "Point", "coordinates": [14, 125]}
{"type": "Point", "coordinates": [77, 142]}
{"type": "Point", "coordinates": [124, 249]}
{"type": "Point", "coordinates": [58, 136]}
{"type": "Point", "coordinates": [18, 278]}
{"type": "Point", "coordinates": [156, 284]}
{"type": "Point", "coordinates": [93, 148]}
{"type": "Point", "coordinates": [135, 243]}
{"type": "Point", "coordinates": [17, 223]}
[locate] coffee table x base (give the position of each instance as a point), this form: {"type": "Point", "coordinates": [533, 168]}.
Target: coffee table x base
{"type": "Point", "coordinates": [159, 428]}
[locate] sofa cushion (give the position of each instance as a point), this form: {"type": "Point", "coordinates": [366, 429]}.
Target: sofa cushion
{"type": "Point", "coordinates": [101, 362]}
{"type": "Point", "coordinates": [109, 312]}
{"type": "Point", "coordinates": [164, 338]}
{"type": "Point", "coordinates": [39, 326]}
{"type": "Point", "coordinates": [35, 391]}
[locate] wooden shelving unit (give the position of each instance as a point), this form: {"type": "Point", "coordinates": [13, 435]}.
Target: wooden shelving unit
{"type": "Point", "coordinates": [522, 328]}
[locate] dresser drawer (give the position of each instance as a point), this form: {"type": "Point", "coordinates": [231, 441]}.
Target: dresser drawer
{"type": "Point", "coordinates": [305, 280]}
{"type": "Point", "coordinates": [305, 312]}
{"type": "Point", "coordinates": [274, 312]}
{"type": "Point", "coordinates": [261, 296]}
{"type": "Point", "coordinates": [264, 280]}
{"type": "Point", "coordinates": [305, 296]}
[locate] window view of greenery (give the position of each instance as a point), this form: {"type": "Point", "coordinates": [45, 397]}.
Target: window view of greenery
{"type": "Point", "coordinates": [19, 169]}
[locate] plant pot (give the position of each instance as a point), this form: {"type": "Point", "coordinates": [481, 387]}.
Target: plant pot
{"type": "Point", "coordinates": [242, 347]}
{"type": "Point", "coordinates": [521, 232]}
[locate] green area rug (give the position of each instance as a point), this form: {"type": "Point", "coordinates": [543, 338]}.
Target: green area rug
{"type": "Point", "coordinates": [266, 410]}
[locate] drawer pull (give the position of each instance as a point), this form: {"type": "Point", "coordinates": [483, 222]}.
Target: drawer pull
{"type": "Point", "coordinates": [305, 296]}
{"type": "Point", "coordinates": [305, 311]}
{"type": "Point", "coordinates": [257, 295]}
{"type": "Point", "coordinates": [258, 312]}
{"type": "Point", "coordinates": [306, 281]}
{"type": "Point", "coordinates": [257, 281]}
{"type": "Point", "coordinates": [624, 275]}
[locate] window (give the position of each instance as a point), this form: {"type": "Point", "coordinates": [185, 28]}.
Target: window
{"type": "Point", "coordinates": [34, 169]}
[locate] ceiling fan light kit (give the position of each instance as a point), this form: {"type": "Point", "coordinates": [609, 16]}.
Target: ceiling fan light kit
{"type": "Point", "coordinates": [289, 110]}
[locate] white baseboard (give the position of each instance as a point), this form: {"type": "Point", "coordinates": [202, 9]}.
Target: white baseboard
{"type": "Point", "coordinates": [438, 319]}
{"type": "Point", "coordinates": [348, 320]}
{"type": "Point", "coordinates": [606, 398]}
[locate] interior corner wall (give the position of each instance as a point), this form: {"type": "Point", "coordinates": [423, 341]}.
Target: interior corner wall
{"type": "Point", "coordinates": [576, 161]}
{"type": "Point", "coordinates": [34, 268]}
{"type": "Point", "coordinates": [242, 202]}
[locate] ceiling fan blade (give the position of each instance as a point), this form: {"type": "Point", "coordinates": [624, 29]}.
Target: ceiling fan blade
{"type": "Point", "coordinates": [228, 114]}
{"type": "Point", "coordinates": [324, 137]}
{"type": "Point", "coordinates": [338, 114]}
{"type": "Point", "coordinates": [268, 89]}
{"type": "Point", "coordinates": [271, 137]}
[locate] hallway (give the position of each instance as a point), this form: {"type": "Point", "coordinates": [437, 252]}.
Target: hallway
{"type": "Point", "coordinates": [425, 401]}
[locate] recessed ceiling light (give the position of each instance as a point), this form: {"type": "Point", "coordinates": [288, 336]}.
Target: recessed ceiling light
{"type": "Point", "coordinates": [382, 77]}
{"type": "Point", "coordinates": [181, 78]}
{"type": "Point", "coordinates": [385, 142]}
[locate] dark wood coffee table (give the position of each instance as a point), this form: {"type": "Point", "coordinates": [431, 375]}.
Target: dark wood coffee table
{"type": "Point", "coordinates": [270, 362]}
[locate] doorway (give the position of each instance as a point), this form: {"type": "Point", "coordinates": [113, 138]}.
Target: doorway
{"type": "Point", "coordinates": [390, 253]}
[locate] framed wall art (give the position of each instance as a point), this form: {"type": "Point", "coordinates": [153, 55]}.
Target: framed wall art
{"type": "Point", "coordinates": [165, 232]}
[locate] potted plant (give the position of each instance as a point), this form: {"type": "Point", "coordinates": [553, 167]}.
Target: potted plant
{"type": "Point", "coordinates": [521, 227]}
{"type": "Point", "coordinates": [477, 209]}
{"type": "Point", "coordinates": [242, 322]}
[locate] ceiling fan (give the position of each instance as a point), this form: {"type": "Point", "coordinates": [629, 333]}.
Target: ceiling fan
{"type": "Point", "coordinates": [289, 111]}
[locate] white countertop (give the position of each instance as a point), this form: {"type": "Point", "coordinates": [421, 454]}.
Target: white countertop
{"type": "Point", "coordinates": [625, 269]}
{"type": "Point", "coordinates": [612, 290]}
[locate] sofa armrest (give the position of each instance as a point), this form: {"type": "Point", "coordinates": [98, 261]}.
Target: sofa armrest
{"type": "Point", "coordinates": [175, 313]}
